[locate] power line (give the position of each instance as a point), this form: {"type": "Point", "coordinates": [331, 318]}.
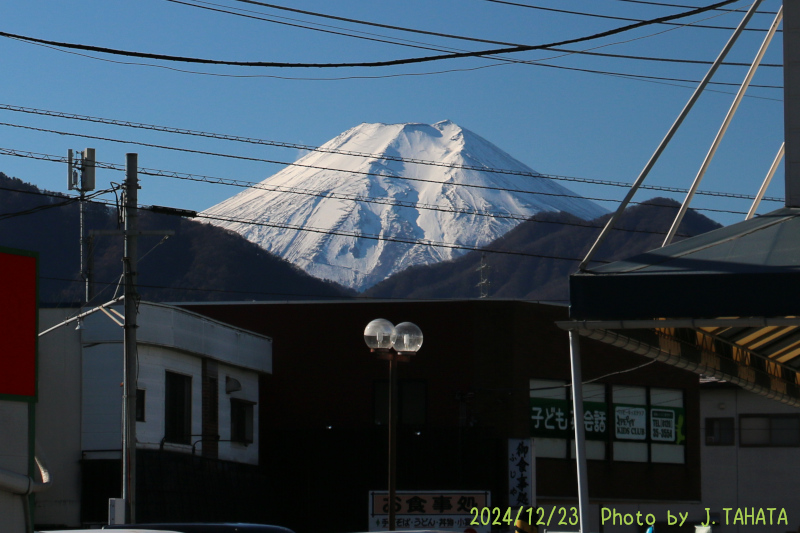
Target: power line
{"type": "Point", "coordinates": [387, 157]}
{"type": "Point", "coordinates": [311, 229]}
{"type": "Point", "coordinates": [505, 61]}
{"type": "Point", "coordinates": [418, 44]}
{"type": "Point", "coordinates": [537, 62]}
{"type": "Point", "coordinates": [458, 55]}
{"type": "Point", "coordinates": [274, 293]}
{"type": "Point", "coordinates": [249, 184]}
{"type": "Point", "coordinates": [660, 78]}
{"type": "Point", "coordinates": [333, 32]}
{"type": "Point", "coordinates": [684, 6]}
{"type": "Point", "coordinates": [356, 197]}
{"type": "Point", "coordinates": [610, 17]}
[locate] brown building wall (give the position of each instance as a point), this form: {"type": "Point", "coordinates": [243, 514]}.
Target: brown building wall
{"type": "Point", "coordinates": [317, 409]}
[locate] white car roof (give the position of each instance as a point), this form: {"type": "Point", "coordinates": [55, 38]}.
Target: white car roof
{"type": "Point", "coordinates": [116, 530]}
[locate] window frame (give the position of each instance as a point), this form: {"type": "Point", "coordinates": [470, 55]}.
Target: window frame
{"type": "Point", "coordinates": [141, 398]}
{"type": "Point", "coordinates": [246, 433]}
{"type": "Point", "coordinates": [769, 417]}
{"type": "Point", "coordinates": [173, 419]}
{"type": "Point", "coordinates": [708, 428]}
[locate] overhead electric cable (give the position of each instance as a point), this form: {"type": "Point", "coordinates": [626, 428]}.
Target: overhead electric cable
{"type": "Point", "coordinates": [225, 181]}
{"type": "Point", "coordinates": [241, 183]}
{"type": "Point", "coordinates": [429, 46]}
{"type": "Point", "coordinates": [302, 23]}
{"type": "Point", "coordinates": [354, 234]}
{"type": "Point", "coordinates": [387, 157]}
{"type": "Point", "coordinates": [513, 49]}
{"type": "Point", "coordinates": [358, 197]}
{"type": "Point", "coordinates": [684, 6]}
{"type": "Point", "coordinates": [608, 17]}
{"type": "Point", "coordinates": [505, 62]}
{"type": "Point", "coordinates": [537, 62]}
{"type": "Point", "coordinates": [341, 33]}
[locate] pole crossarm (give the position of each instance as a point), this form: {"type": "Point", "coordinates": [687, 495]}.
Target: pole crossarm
{"type": "Point", "coordinates": [84, 314]}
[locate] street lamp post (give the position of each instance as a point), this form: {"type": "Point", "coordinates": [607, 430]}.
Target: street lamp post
{"type": "Point", "coordinates": [394, 344]}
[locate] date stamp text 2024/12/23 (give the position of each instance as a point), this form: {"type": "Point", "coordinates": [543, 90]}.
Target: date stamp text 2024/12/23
{"type": "Point", "coordinates": [744, 516]}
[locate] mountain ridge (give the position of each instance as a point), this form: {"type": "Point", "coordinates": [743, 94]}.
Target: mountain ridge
{"type": "Point", "coordinates": [640, 228]}
{"type": "Point", "coordinates": [393, 199]}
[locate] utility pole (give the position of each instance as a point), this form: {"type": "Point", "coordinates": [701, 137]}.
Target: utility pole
{"type": "Point", "coordinates": [130, 352]}
{"type": "Point", "coordinates": [131, 235]}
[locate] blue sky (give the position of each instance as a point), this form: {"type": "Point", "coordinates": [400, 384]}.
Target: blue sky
{"type": "Point", "coordinates": [557, 121]}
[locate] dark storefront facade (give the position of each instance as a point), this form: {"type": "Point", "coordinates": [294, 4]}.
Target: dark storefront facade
{"type": "Point", "coordinates": [477, 382]}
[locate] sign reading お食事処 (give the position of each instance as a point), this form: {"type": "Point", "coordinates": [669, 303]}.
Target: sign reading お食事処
{"type": "Point", "coordinates": [18, 324]}
{"type": "Point", "coordinates": [443, 510]}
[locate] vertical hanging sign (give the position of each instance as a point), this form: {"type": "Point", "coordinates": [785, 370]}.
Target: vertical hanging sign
{"type": "Point", "coordinates": [521, 473]}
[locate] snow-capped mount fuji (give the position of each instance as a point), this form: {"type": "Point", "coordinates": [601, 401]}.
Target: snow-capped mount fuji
{"type": "Point", "coordinates": [398, 200]}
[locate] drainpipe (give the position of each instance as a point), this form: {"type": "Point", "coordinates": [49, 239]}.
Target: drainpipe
{"type": "Point", "coordinates": [23, 485]}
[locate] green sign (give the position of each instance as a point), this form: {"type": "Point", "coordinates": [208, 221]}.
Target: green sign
{"type": "Point", "coordinates": [553, 419]}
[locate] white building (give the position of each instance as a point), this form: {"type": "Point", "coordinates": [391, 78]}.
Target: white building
{"type": "Point", "coordinates": [750, 459]}
{"type": "Point", "coordinates": [197, 392]}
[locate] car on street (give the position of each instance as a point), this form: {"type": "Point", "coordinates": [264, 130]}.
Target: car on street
{"type": "Point", "coordinates": [198, 527]}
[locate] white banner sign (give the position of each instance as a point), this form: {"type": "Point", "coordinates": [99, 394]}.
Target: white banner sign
{"type": "Point", "coordinates": [521, 473]}
{"type": "Point", "coordinates": [630, 422]}
{"type": "Point", "coordinates": [430, 509]}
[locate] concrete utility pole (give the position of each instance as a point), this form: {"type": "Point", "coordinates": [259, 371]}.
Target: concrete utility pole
{"type": "Point", "coordinates": [130, 352]}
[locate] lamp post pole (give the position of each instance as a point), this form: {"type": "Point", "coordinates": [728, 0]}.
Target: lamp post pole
{"type": "Point", "coordinates": [392, 439]}
{"type": "Point", "coordinates": [394, 344]}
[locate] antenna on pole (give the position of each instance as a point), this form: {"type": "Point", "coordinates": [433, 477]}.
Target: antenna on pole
{"type": "Point", "coordinates": [87, 183]}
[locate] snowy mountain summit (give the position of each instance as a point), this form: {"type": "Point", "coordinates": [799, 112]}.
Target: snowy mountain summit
{"type": "Point", "coordinates": [335, 196]}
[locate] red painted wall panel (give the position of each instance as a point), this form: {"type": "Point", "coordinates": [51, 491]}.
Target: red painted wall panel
{"type": "Point", "coordinates": [17, 324]}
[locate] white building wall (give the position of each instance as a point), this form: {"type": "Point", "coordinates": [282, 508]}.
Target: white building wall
{"type": "Point", "coordinates": [154, 363]}
{"type": "Point", "coordinates": [739, 477]}
{"type": "Point", "coordinates": [174, 340]}
{"type": "Point", "coordinates": [234, 451]}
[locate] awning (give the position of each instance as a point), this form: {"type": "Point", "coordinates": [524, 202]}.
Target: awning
{"type": "Point", "coordinates": [724, 304]}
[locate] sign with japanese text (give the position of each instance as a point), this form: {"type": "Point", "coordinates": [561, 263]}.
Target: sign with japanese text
{"type": "Point", "coordinates": [630, 422]}
{"type": "Point", "coordinates": [443, 510]}
{"type": "Point", "coordinates": [553, 419]}
{"type": "Point", "coordinates": [18, 323]}
{"type": "Point", "coordinates": [521, 473]}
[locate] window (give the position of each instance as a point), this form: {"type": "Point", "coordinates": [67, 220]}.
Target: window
{"type": "Point", "coordinates": [241, 421]}
{"type": "Point", "coordinates": [720, 432]}
{"type": "Point", "coordinates": [769, 430]}
{"type": "Point", "coordinates": [178, 408]}
{"type": "Point", "coordinates": [140, 405]}
{"type": "Point", "coordinates": [411, 402]}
